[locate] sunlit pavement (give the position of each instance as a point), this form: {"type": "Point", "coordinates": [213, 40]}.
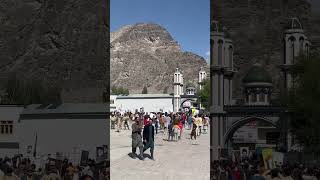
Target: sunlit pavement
{"type": "Point", "coordinates": [173, 160]}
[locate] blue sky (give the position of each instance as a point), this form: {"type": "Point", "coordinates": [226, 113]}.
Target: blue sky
{"type": "Point", "coordinates": [188, 21]}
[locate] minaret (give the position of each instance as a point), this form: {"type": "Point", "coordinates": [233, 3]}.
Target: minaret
{"type": "Point", "coordinates": [202, 76]}
{"type": "Point", "coordinates": [228, 69]}
{"type": "Point", "coordinates": [177, 90]}
{"type": "Point", "coordinates": [295, 44]}
{"type": "Point", "coordinates": [221, 73]}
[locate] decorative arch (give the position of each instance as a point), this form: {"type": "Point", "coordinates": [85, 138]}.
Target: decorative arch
{"type": "Point", "coordinates": [291, 38]}
{"type": "Point", "coordinates": [188, 99]}
{"type": "Point", "coordinates": [241, 122]}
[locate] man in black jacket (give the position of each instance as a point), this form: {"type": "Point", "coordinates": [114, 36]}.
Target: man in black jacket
{"type": "Point", "coordinates": [148, 138]}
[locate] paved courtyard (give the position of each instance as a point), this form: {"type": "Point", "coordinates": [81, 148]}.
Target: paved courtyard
{"type": "Point", "coordinates": [173, 160]}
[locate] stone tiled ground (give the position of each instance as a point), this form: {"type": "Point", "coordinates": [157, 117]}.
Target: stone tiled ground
{"type": "Point", "coordinates": [173, 160]}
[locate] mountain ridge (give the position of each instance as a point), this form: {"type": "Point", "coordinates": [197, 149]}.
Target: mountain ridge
{"type": "Point", "coordinates": [145, 54]}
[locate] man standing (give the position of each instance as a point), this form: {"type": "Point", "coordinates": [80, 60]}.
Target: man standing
{"type": "Point", "coordinates": [113, 119]}
{"type": "Point", "coordinates": [136, 138]}
{"type": "Point", "coordinates": [148, 138]}
{"type": "Point", "coordinates": [119, 122]}
{"type": "Point", "coordinates": [126, 118]}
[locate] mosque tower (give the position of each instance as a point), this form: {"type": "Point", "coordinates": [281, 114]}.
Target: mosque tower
{"type": "Point", "coordinates": [295, 44]}
{"type": "Point", "coordinates": [221, 72]}
{"type": "Point", "coordinates": [177, 87]}
{"type": "Point", "coordinates": [202, 76]}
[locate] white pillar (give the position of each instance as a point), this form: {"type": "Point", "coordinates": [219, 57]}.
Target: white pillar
{"type": "Point", "coordinates": [266, 98]}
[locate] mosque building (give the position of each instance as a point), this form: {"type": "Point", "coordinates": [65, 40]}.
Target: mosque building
{"type": "Point", "coordinates": [254, 123]}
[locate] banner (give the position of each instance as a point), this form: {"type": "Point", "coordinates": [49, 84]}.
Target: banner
{"type": "Point", "coordinates": [267, 158]}
{"type": "Point", "coordinates": [278, 158]}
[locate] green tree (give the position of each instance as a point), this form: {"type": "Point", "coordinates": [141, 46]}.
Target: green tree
{"type": "Point", "coordinates": [145, 90]}
{"type": "Point", "coordinates": [303, 103]}
{"type": "Point", "coordinates": [119, 91]}
{"type": "Point", "coordinates": [204, 94]}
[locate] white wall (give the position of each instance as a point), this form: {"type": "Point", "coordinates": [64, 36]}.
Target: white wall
{"type": "Point", "coordinates": [150, 105]}
{"type": "Point", "coordinates": [62, 135]}
{"type": "Point", "coordinates": [10, 113]}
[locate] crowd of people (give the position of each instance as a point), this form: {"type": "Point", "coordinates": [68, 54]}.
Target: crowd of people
{"type": "Point", "coordinates": [145, 125]}
{"type": "Point", "coordinates": [19, 168]}
{"type": "Point", "coordinates": [255, 170]}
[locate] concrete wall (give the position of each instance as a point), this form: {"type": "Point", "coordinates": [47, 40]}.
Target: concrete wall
{"type": "Point", "coordinates": [10, 113]}
{"type": "Point", "coordinates": [150, 105]}
{"type": "Point", "coordinates": [63, 135]}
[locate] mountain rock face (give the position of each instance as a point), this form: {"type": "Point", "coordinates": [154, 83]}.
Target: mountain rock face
{"type": "Point", "coordinates": [145, 54]}
{"type": "Point", "coordinates": [62, 42]}
{"type": "Point", "coordinates": [256, 28]}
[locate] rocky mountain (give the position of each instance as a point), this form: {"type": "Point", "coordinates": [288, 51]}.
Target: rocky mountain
{"type": "Point", "coordinates": [256, 28]}
{"type": "Point", "coordinates": [145, 54]}
{"type": "Point", "coordinates": [62, 42]}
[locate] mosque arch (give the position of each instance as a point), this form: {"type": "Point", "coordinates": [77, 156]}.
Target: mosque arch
{"type": "Point", "coordinates": [241, 122]}
{"type": "Point", "coordinates": [292, 40]}
{"type": "Point", "coordinates": [188, 99]}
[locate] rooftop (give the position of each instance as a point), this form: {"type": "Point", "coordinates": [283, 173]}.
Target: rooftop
{"type": "Point", "coordinates": [145, 96]}
{"type": "Point", "coordinates": [66, 108]}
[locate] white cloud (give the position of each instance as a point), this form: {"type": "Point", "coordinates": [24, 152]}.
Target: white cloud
{"type": "Point", "coordinates": [208, 53]}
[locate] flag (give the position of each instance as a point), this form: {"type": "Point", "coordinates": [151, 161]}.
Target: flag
{"type": "Point", "coordinates": [35, 146]}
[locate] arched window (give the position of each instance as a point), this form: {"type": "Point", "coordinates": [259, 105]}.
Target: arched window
{"type": "Point", "coordinates": [230, 56]}
{"type": "Point", "coordinates": [291, 49]}
{"type": "Point", "coordinates": [220, 43]}
{"type": "Point", "coordinates": [301, 42]}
